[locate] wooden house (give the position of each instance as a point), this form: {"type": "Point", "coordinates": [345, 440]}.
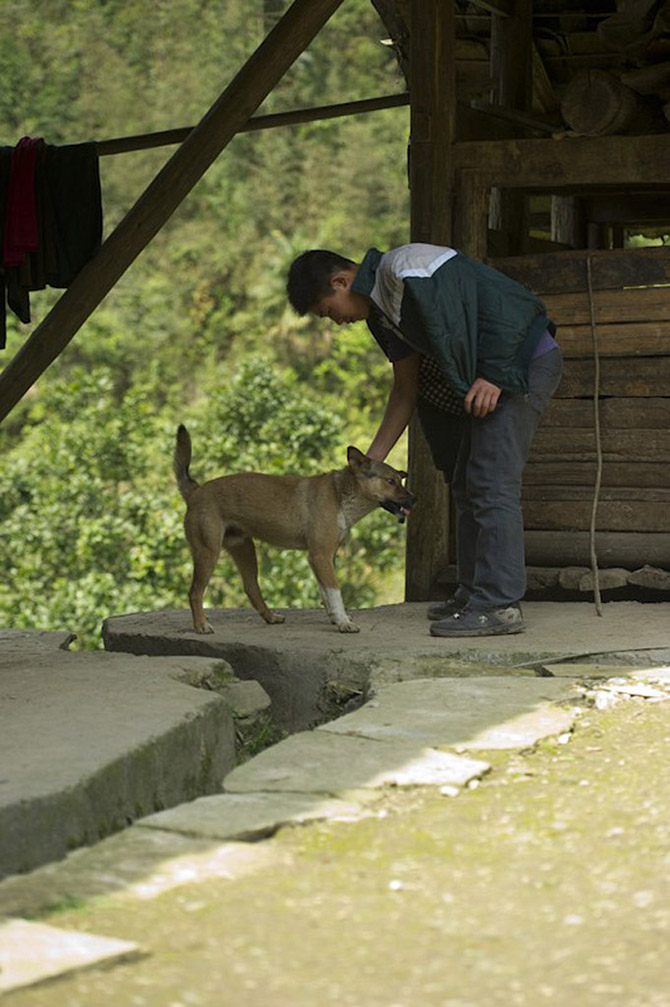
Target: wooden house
{"type": "Point", "coordinates": [540, 144]}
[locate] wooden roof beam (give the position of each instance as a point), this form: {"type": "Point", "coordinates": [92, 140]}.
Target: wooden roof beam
{"type": "Point", "coordinates": [248, 89]}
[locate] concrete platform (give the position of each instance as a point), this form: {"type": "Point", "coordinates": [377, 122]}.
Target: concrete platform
{"type": "Point", "coordinates": [313, 673]}
{"type": "Point", "coordinates": [91, 742]}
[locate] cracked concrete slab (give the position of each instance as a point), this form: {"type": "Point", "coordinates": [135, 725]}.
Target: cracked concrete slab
{"type": "Point", "coordinates": [249, 816]}
{"type": "Point", "coordinates": [471, 713]}
{"type": "Point", "coordinates": [322, 762]}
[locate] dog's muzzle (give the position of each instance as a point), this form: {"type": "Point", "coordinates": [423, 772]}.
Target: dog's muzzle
{"type": "Point", "coordinates": [400, 510]}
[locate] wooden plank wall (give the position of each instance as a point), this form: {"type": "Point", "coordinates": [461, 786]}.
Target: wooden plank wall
{"type": "Point", "coordinates": [631, 301]}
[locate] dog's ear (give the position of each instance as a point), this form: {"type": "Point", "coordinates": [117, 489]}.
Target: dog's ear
{"type": "Point", "coordinates": [356, 458]}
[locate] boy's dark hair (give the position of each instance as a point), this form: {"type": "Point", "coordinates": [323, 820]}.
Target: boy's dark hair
{"type": "Point", "coordinates": [309, 277]}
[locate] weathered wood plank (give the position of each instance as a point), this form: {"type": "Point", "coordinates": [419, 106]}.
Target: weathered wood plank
{"type": "Point", "coordinates": [575, 515]}
{"type": "Point", "coordinates": [640, 376]}
{"type": "Point", "coordinates": [640, 414]}
{"type": "Point", "coordinates": [628, 549]}
{"type": "Point", "coordinates": [643, 474]}
{"type": "Point", "coordinates": [641, 304]}
{"type": "Point", "coordinates": [631, 339]}
{"type": "Point", "coordinates": [579, 444]}
{"type": "Point", "coordinates": [551, 164]}
{"type": "Point", "coordinates": [611, 494]}
{"type": "Point", "coordinates": [562, 272]}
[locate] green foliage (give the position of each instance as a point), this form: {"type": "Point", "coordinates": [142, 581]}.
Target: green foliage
{"type": "Point", "coordinates": [199, 328]}
{"type": "Point", "coordinates": [91, 519]}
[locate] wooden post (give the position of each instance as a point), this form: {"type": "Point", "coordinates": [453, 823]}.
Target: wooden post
{"type": "Point", "coordinates": [471, 223]}
{"type": "Point", "coordinates": [433, 116]}
{"type": "Point", "coordinates": [241, 98]}
{"type": "Point", "coordinates": [512, 70]}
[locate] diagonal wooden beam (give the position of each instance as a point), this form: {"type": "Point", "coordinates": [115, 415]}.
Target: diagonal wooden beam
{"type": "Point", "coordinates": [288, 39]}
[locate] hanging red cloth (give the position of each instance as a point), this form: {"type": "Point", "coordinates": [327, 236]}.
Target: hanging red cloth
{"type": "Point", "coordinates": [21, 226]}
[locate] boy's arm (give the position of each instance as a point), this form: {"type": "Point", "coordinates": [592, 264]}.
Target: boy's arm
{"type": "Point", "coordinates": [399, 407]}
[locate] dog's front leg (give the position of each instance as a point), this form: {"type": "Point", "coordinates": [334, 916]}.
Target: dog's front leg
{"type": "Point", "coordinates": [329, 589]}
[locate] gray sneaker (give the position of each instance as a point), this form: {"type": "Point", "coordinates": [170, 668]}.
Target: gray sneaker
{"type": "Point", "coordinates": [444, 609]}
{"type": "Point", "coordinates": [471, 622]}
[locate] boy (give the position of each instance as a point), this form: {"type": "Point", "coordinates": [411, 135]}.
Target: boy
{"type": "Point", "coordinates": [473, 350]}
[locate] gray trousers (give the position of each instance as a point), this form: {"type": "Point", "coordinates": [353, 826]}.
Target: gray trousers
{"type": "Point", "coordinates": [486, 485]}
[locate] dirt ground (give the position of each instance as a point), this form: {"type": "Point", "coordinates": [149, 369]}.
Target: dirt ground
{"type": "Point", "coordinates": [548, 883]}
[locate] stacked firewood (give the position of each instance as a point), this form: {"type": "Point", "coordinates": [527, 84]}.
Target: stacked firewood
{"type": "Point", "coordinates": [597, 102]}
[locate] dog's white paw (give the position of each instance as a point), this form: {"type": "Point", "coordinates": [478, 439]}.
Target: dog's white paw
{"type": "Point", "coordinates": [274, 618]}
{"type": "Point", "coordinates": [348, 627]}
{"type": "Point", "coordinates": [205, 628]}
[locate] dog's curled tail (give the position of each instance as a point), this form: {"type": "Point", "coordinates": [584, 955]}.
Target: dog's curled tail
{"type": "Point", "coordinates": [182, 460]}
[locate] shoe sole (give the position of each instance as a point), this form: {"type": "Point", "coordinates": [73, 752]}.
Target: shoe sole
{"type": "Point", "coordinates": [488, 631]}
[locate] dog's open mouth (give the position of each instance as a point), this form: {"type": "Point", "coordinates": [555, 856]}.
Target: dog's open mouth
{"type": "Point", "coordinates": [399, 510]}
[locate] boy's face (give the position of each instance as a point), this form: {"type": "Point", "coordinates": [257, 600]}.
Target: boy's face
{"type": "Point", "coordinates": [342, 305]}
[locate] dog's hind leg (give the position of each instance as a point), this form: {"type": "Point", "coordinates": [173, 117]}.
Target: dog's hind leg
{"type": "Point", "coordinates": [204, 561]}
{"type": "Point", "coordinates": [243, 553]}
{"type": "Point", "coordinates": [329, 589]}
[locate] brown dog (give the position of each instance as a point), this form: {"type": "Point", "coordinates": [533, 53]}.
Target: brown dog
{"type": "Point", "coordinates": [293, 512]}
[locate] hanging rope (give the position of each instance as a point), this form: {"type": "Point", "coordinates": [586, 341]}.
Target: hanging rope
{"type": "Point", "coordinates": [599, 452]}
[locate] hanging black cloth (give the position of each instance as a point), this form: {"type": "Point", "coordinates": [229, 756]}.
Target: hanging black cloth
{"type": "Point", "coordinates": [68, 207]}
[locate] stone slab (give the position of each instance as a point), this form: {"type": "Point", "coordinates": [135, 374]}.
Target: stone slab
{"type": "Point", "coordinates": [89, 742]}
{"type": "Point", "coordinates": [471, 713]}
{"type": "Point", "coordinates": [33, 642]}
{"type": "Point", "coordinates": [587, 669]}
{"type": "Point", "coordinates": [322, 762]}
{"type": "Point", "coordinates": [31, 952]}
{"type": "Point", "coordinates": [245, 699]}
{"type": "Point", "coordinates": [609, 579]}
{"type": "Point", "coordinates": [660, 674]}
{"type": "Point", "coordinates": [138, 862]}
{"type": "Point", "coordinates": [248, 816]}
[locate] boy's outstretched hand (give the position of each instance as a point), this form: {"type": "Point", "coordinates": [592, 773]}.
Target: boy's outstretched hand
{"type": "Point", "coordinates": [482, 397]}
